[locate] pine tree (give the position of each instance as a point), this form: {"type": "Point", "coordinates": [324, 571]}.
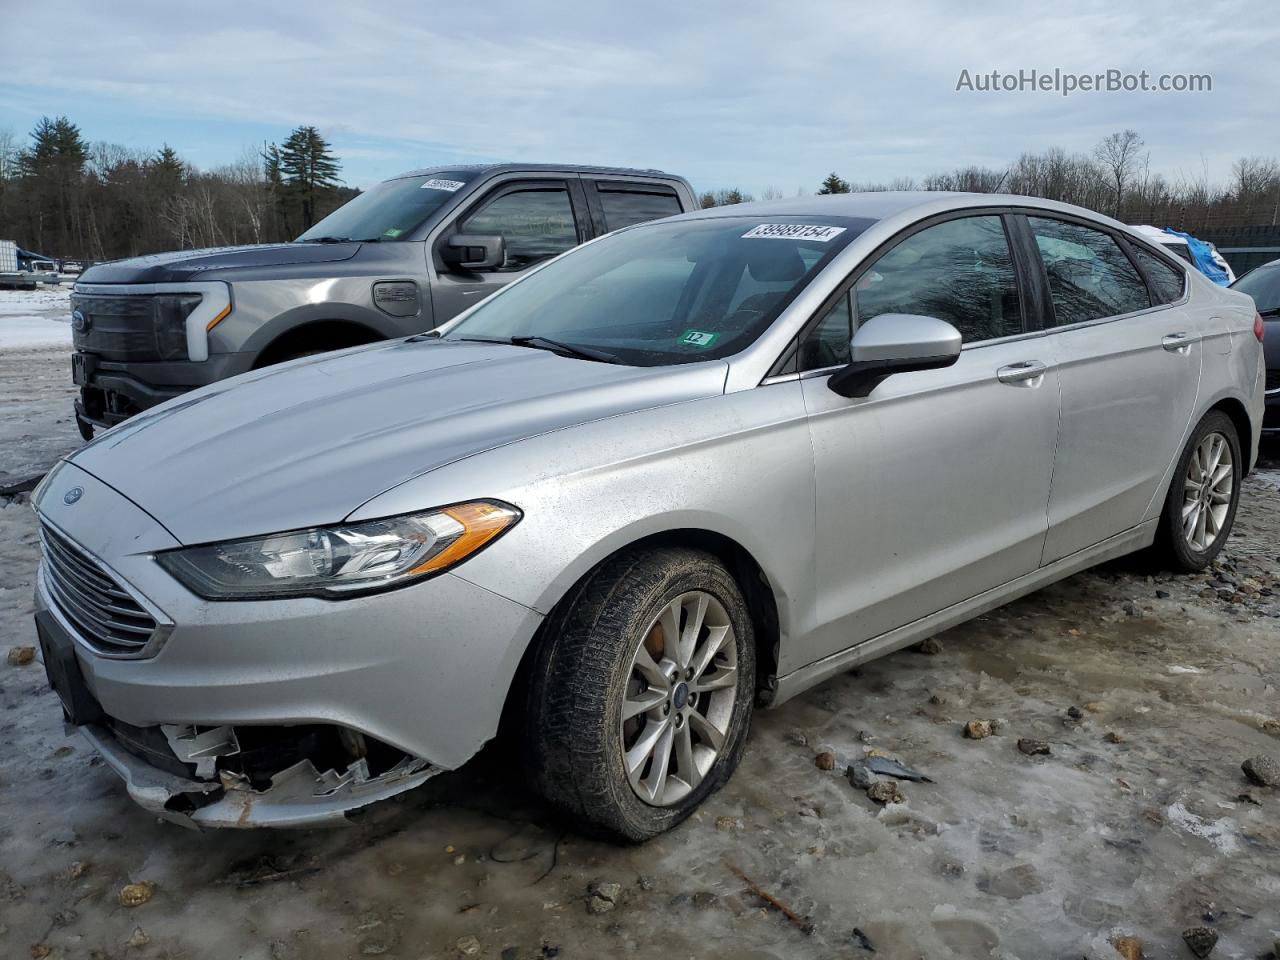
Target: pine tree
{"type": "Point", "coordinates": [833, 184]}
{"type": "Point", "coordinates": [53, 168]}
{"type": "Point", "coordinates": [308, 169]}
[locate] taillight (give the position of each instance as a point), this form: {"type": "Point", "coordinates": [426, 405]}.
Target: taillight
{"type": "Point", "coordinates": [1259, 328]}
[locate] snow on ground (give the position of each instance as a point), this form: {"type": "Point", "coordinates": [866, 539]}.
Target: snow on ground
{"type": "Point", "coordinates": [35, 318]}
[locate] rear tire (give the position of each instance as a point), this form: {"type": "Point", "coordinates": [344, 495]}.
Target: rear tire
{"type": "Point", "coordinates": [1200, 507]}
{"type": "Point", "coordinates": [625, 733]}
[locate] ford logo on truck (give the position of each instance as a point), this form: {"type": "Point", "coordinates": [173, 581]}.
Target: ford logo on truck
{"type": "Point", "coordinates": [80, 321]}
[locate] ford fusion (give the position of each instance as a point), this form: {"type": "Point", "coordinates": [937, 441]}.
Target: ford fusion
{"type": "Point", "coordinates": [686, 470]}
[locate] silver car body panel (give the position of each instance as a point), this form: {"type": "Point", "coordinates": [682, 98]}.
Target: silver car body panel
{"type": "Point", "coordinates": [874, 521]}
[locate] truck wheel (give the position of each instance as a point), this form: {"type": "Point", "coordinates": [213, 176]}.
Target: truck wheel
{"type": "Point", "coordinates": [1201, 504]}
{"type": "Point", "coordinates": [639, 700]}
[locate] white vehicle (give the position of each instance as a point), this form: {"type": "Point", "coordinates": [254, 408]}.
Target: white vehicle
{"type": "Point", "coordinates": [10, 275]}
{"type": "Point", "coordinates": [45, 271]}
{"type": "Point", "coordinates": [1178, 247]}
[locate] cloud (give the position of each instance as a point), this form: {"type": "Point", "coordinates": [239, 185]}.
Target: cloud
{"type": "Point", "coordinates": [727, 93]}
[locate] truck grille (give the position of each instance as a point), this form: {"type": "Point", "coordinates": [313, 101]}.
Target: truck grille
{"type": "Point", "coordinates": [102, 612]}
{"type": "Point", "coordinates": [115, 328]}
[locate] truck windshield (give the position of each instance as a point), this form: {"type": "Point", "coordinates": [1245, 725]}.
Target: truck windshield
{"type": "Point", "coordinates": [666, 293]}
{"type": "Point", "coordinates": [389, 211]}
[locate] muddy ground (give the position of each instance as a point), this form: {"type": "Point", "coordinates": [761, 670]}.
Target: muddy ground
{"type": "Point", "coordinates": [1138, 822]}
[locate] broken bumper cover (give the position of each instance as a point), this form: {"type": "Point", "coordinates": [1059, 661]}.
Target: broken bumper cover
{"type": "Point", "coordinates": [299, 796]}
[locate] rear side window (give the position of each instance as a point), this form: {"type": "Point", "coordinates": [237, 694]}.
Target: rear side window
{"type": "Point", "coordinates": [625, 207]}
{"type": "Point", "coordinates": [537, 224]}
{"type": "Point", "coordinates": [1089, 275]}
{"type": "Point", "coordinates": [1166, 282]}
{"type": "Point", "coordinates": [959, 271]}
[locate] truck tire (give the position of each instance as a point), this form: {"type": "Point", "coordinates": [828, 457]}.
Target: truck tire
{"type": "Point", "coordinates": [628, 730]}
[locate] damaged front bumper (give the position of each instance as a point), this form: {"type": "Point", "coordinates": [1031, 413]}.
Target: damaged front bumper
{"type": "Point", "coordinates": [298, 796]}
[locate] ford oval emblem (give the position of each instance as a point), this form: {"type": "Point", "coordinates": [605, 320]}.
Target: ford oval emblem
{"type": "Point", "coordinates": [79, 322]}
{"type": "Point", "coordinates": [72, 495]}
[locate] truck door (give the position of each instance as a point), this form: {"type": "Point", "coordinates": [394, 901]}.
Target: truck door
{"type": "Point", "coordinates": [538, 219]}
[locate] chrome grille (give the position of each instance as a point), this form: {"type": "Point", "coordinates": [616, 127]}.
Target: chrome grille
{"type": "Point", "coordinates": [102, 612]}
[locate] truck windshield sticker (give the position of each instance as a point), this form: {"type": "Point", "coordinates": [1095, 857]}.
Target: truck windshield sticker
{"type": "Point", "coordinates": [793, 231]}
{"type": "Point", "coordinates": [698, 338]}
{"type": "Point", "coordinates": [392, 232]}
{"type": "Point", "coordinates": [448, 185]}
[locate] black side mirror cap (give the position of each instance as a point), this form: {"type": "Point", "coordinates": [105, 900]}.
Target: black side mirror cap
{"type": "Point", "coordinates": [474, 251]}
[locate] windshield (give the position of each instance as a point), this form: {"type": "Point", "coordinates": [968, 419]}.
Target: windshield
{"type": "Point", "coordinates": [667, 292]}
{"type": "Point", "coordinates": [389, 211]}
{"type": "Point", "coordinates": [1263, 284]}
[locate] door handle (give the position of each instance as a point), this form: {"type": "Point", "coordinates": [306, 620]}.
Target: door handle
{"type": "Point", "coordinates": [1027, 373]}
{"type": "Point", "coordinates": [1177, 342]}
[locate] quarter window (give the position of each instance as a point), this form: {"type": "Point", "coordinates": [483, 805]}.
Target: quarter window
{"type": "Point", "coordinates": [1166, 282]}
{"type": "Point", "coordinates": [1089, 275]}
{"type": "Point", "coordinates": [625, 207]}
{"type": "Point", "coordinates": [959, 271]}
{"type": "Point", "coordinates": [537, 224]}
{"type": "Point", "coordinates": [827, 343]}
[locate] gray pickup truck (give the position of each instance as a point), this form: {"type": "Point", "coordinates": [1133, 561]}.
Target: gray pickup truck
{"type": "Point", "coordinates": [401, 258]}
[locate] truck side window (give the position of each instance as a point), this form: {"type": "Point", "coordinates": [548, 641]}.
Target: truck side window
{"type": "Point", "coordinates": [537, 224]}
{"type": "Point", "coordinates": [625, 207]}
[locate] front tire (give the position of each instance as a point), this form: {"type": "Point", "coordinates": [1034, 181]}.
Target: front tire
{"type": "Point", "coordinates": [639, 700]}
{"type": "Point", "coordinates": [1200, 507]}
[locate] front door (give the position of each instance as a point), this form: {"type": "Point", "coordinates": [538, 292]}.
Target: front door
{"type": "Point", "coordinates": [932, 489]}
{"type": "Point", "coordinates": [538, 219]}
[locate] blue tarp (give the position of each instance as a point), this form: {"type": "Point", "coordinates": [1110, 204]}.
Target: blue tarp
{"type": "Point", "coordinates": [1202, 254]}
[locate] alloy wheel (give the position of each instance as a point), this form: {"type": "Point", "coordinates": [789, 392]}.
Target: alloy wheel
{"type": "Point", "coordinates": [1207, 491]}
{"type": "Point", "coordinates": [678, 707]}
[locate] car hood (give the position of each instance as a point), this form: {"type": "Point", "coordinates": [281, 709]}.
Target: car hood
{"type": "Point", "coordinates": [182, 265]}
{"type": "Point", "coordinates": [308, 442]}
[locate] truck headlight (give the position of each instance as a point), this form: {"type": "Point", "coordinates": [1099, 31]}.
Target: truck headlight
{"type": "Point", "coordinates": [343, 560]}
{"type": "Point", "coordinates": [169, 320]}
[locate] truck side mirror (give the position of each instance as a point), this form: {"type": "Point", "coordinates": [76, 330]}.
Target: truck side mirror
{"type": "Point", "coordinates": [475, 251]}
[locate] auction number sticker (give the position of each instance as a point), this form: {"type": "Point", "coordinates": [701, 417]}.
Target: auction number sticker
{"type": "Point", "coordinates": [449, 185]}
{"type": "Point", "coordinates": [793, 231]}
{"type": "Point", "coordinates": [698, 338]}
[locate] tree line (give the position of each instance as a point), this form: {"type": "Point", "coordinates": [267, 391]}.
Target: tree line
{"type": "Point", "coordinates": [62, 196]}
{"type": "Point", "coordinates": [1114, 178]}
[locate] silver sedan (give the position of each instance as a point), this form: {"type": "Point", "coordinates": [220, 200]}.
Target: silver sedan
{"type": "Point", "coordinates": [686, 470]}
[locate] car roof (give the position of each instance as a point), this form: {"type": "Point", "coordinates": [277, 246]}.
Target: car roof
{"type": "Point", "coordinates": [885, 204]}
{"type": "Point", "coordinates": [494, 168]}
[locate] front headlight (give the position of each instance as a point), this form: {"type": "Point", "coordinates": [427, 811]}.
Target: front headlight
{"type": "Point", "coordinates": [170, 312]}
{"type": "Point", "coordinates": [343, 560]}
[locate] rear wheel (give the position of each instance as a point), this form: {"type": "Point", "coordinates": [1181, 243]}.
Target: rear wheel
{"type": "Point", "coordinates": [1201, 505]}
{"type": "Point", "coordinates": [639, 701]}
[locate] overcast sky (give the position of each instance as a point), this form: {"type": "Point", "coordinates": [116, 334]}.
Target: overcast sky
{"type": "Point", "coordinates": [726, 93]}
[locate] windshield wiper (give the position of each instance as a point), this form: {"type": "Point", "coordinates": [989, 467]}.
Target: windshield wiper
{"type": "Point", "coordinates": [546, 343]}
{"type": "Point", "coordinates": [328, 240]}
{"type": "Point", "coordinates": [557, 346]}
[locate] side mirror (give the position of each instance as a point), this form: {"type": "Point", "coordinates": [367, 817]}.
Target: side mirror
{"type": "Point", "coordinates": [475, 251]}
{"type": "Point", "coordinates": [895, 343]}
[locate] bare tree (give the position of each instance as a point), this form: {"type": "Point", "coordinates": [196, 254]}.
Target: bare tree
{"type": "Point", "coordinates": [1119, 155]}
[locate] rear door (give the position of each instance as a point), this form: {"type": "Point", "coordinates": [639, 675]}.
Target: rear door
{"type": "Point", "coordinates": [932, 489]}
{"type": "Point", "coordinates": [1128, 352]}
{"type": "Point", "coordinates": [538, 218]}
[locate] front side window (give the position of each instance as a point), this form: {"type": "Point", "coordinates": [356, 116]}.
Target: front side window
{"type": "Point", "coordinates": [622, 208]}
{"type": "Point", "coordinates": [536, 224]}
{"type": "Point", "coordinates": [1089, 275]}
{"type": "Point", "coordinates": [667, 292]}
{"type": "Point", "coordinates": [1166, 282]}
{"type": "Point", "coordinates": [959, 271]}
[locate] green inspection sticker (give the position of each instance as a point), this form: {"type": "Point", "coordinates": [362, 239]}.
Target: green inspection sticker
{"type": "Point", "coordinates": [698, 338]}
{"type": "Point", "coordinates": [392, 232]}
